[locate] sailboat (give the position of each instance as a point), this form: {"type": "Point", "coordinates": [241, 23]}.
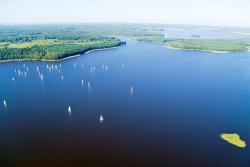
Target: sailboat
{"type": "Point", "coordinates": [89, 86]}
{"type": "Point", "coordinates": [41, 76]}
{"type": "Point", "coordinates": [5, 103]}
{"type": "Point", "coordinates": [131, 90]}
{"type": "Point", "coordinates": [69, 110]}
{"type": "Point", "coordinates": [101, 119]}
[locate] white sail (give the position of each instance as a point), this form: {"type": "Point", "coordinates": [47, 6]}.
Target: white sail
{"type": "Point", "coordinates": [41, 76]}
{"type": "Point", "coordinates": [5, 103]}
{"type": "Point", "coordinates": [69, 110]}
{"type": "Point", "coordinates": [101, 119]}
{"type": "Point", "coordinates": [89, 85]}
{"type": "Point", "coordinates": [131, 90]}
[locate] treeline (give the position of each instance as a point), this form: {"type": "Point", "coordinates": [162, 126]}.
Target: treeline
{"type": "Point", "coordinates": [55, 51]}
{"type": "Point", "coordinates": [152, 39]}
{"type": "Point", "coordinates": [230, 45]}
{"type": "Point", "coordinates": [50, 43]}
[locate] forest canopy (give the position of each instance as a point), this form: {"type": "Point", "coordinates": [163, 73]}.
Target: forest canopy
{"type": "Point", "coordinates": [50, 42]}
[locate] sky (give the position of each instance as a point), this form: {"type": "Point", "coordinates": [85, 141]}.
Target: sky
{"type": "Point", "coordinates": [198, 12]}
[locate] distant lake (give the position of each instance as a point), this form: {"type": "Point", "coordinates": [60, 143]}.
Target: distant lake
{"type": "Point", "coordinates": [181, 102]}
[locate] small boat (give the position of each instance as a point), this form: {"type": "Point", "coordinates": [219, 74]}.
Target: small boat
{"type": "Point", "coordinates": [89, 85]}
{"type": "Point", "coordinates": [131, 90]}
{"type": "Point", "coordinates": [62, 77]}
{"type": "Point", "coordinates": [82, 82]}
{"type": "Point", "coordinates": [69, 110]}
{"type": "Point", "coordinates": [5, 103]}
{"type": "Point", "coordinates": [41, 76]}
{"type": "Point", "coordinates": [13, 79]}
{"type": "Point", "coordinates": [101, 119]}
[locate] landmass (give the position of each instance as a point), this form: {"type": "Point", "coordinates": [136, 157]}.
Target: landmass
{"type": "Point", "coordinates": [58, 42]}
{"type": "Point", "coordinates": [242, 33]}
{"type": "Point", "coordinates": [152, 39]}
{"type": "Point", "coordinates": [211, 45]}
{"type": "Point", "coordinates": [51, 45]}
{"type": "Point", "coordinates": [233, 139]}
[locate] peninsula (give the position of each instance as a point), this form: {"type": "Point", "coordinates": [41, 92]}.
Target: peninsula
{"type": "Point", "coordinates": [38, 43]}
{"type": "Point", "coordinates": [211, 45]}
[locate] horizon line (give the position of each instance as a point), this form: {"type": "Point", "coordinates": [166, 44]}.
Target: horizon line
{"type": "Point", "coordinates": [118, 23]}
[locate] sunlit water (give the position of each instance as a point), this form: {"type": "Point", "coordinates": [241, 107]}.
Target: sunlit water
{"type": "Point", "coordinates": [180, 103]}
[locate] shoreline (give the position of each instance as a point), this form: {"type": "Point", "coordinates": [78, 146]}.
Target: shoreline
{"type": "Point", "coordinates": [63, 59]}
{"type": "Point", "coordinates": [212, 51]}
{"type": "Point", "coordinates": [242, 33]}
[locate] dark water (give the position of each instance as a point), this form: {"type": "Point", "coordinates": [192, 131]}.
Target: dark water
{"type": "Point", "coordinates": [182, 101]}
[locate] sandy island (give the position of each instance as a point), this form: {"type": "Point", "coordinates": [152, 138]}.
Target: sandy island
{"type": "Point", "coordinates": [233, 139]}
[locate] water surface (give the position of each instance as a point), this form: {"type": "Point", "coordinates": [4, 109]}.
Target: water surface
{"type": "Point", "coordinates": [182, 101]}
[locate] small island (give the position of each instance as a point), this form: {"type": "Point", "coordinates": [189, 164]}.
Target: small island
{"type": "Point", "coordinates": [233, 139]}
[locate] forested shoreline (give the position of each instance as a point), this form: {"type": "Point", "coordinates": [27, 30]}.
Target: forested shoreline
{"type": "Point", "coordinates": [53, 44]}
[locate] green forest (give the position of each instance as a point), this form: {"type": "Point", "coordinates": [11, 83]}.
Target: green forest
{"type": "Point", "coordinates": [220, 45]}
{"type": "Point", "coordinates": [50, 42]}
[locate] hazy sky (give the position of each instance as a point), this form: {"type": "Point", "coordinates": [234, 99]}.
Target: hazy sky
{"type": "Point", "coordinates": [208, 12]}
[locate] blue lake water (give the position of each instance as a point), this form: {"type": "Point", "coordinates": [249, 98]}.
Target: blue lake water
{"type": "Point", "coordinates": [182, 101]}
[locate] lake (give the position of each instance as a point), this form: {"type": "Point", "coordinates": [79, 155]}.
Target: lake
{"type": "Point", "coordinates": [181, 102]}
